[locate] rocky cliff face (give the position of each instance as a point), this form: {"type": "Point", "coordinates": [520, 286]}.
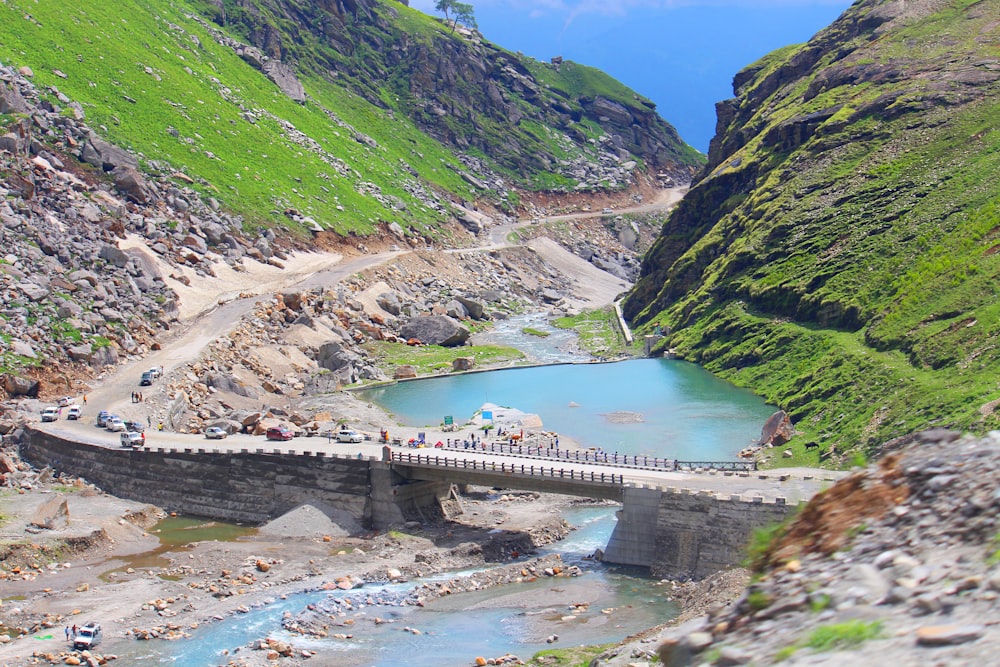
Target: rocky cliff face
{"type": "Point", "coordinates": [528, 116]}
{"type": "Point", "coordinates": [838, 250]}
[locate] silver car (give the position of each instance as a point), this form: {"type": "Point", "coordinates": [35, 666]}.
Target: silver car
{"type": "Point", "coordinates": [215, 433]}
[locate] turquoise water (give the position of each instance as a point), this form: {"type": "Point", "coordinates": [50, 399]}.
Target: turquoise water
{"type": "Point", "coordinates": [685, 412]}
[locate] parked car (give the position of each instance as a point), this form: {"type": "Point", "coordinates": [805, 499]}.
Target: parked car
{"type": "Point", "coordinates": [347, 435]}
{"type": "Point", "coordinates": [65, 401]}
{"type": "Point", "coordinates": [132, 439]}
{"type": "Point", "coordinates": [215, 433]}
{"type": "Point", "coordinates": [279, 433]}
{"type": "Point", "coordinates": [50, 414]}
{"type": "Point", "coordinates": [136, 426]}
{"type": "Point", "coordinates": [102, 418]}
{"type": "Point", "coordinates": [155, 372]}
{"type": "Point", "coordinates": [74, 412]}
{"type": "Point", "coordinates": [87, 637]}
{"type": "Point", "coordinates": [115, 424]}
{"type": "Point", "coordinates": [146, 379]}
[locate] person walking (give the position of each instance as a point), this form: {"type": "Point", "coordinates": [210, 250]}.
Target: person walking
{"type": "Point", "coordinates": [67, 633]}
{"type": "Point", "coordinates": [84, 399]}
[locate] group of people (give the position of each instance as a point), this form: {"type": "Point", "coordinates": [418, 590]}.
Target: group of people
{"type": "Point", "coordinates": [136, 397]}
{"type": "Point", "coordinates": [70, 633]}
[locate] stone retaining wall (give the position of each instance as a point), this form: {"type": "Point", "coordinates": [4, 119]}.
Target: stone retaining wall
{"type": "Point", "coordinates": [235, 486]}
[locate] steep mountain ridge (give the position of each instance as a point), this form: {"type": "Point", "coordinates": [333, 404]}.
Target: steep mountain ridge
{"type": "Point", "coordinates": [837, 252]}
{"type": "Point", "coordinates": [461, 89]}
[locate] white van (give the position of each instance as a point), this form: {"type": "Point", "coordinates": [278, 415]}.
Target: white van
{"type": "Point", "coordinates": [50, 414]}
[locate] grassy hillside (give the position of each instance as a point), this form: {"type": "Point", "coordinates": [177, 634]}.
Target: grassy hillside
{"type": "Point", "coordinates": [155, 77]}
{"type": "Point", "coordinates": [839, 254]}
{"type": "Point", "coordinates": [155, 81]}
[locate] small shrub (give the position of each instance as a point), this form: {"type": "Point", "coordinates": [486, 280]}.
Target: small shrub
{"type": "Point", "coordinates": [785, 653]}
{"type": "Point", "coordinates": [758, 600]}
{"type": "Point", "coordinates": [843, 635]}
{"type": "Point", "coordinates": [819, 602]}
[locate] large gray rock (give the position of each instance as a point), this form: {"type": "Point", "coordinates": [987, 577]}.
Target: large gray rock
{"type": "Point", "coordinates": [224, 382]}
{"type": "Point", "coordinates": [434, 330]}
{"type": "Point", "coordinates": [20, 386]}
{"type": "Point", "coordinates": [132, 183]}
{"type": "Point", "coordinates": [33, 291]}
{"type": "Point", "coordinates": [476, 309]}
{"type": "Point", "coordinates": [284, 77]}
{"type": "Point", "coordinates": [113, 255]}
{"type": "Point", "coordinates": [105, 156]}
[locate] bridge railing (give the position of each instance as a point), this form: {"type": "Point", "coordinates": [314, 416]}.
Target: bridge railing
{"type": "Point", "coordinates": [513, 468]}
{"type": "Point", "coordinates": [603, 458]}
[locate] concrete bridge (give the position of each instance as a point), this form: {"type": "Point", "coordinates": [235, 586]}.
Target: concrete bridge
{"type": "Point", "coordinates": [676, 523]}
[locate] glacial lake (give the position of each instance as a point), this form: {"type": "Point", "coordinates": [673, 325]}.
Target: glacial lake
{"type": "Point", "coordinates": [654, 407]}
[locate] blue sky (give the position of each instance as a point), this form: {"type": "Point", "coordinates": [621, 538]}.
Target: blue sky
{"type": "Point", "coordinates": [682, 54]}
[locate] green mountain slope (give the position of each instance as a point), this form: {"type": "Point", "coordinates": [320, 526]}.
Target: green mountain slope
{"type": "Point", "coordinates": [349, 115]}
{"type": "Point", "coordinates": [838, 253]}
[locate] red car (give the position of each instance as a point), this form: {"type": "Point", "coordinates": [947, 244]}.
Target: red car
{"type": "Point", "coordinates": [279, 433]}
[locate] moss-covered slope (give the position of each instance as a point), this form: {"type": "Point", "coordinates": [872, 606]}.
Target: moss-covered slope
{"type": "Point", "coordinates": [838, 254]}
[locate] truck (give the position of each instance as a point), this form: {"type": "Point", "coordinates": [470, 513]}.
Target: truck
{"type": "Point", "coordinates": [132, 439]}
{"type": "Point", "coordinates": [87, 637]}
{"type": "Point", "coordinates": [50, 414]}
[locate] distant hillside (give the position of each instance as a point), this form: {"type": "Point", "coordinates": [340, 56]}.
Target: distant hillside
{"type": "Point", "coordinates": [838, 253]}
{"type": "Point", "coordinates": [335, 115]}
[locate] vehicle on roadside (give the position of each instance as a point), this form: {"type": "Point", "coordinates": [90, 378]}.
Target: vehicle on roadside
{"type": "Point", "coordinates": [279, 433]}
{"type": "Point", "coordinates": [133, 425]}
{"type": "Point", "coordinates": [132, 439]}
{"type": "Point", "coordinates": [65, 401]}
{"type": "Point", "coordinates": [216, 433]}
{"type": "Point", "coordinates": [102, 418]}
{"type": "Point", "coordinates": [348, 435]}
{"type": "Point", "coordinates": [607, 211]}
{"type": "Point", "coordinates": [146, 379]}
{"type": "Point", "coordinates": [74, 412]}
{"type": "Point", "coordinates": [115, 424]}
{"type": "Point", "coordinates": [87, 637]}
{"type": "Point", "coordinates": [50, 414]}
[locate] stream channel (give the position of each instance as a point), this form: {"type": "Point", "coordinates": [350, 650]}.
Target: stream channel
{"type": "Point", "coordinates": [658, 407]}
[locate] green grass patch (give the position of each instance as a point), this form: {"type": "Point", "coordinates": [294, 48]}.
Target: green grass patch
{"type": "Point", "coordinates": [535, 332]}
{"type": "Point", "coordinates": [843, 635]}
{"type": "Point", "coordinates": [577, 656]}
{"type": "Point", "coordinates": [598, 332]}
{"type": "Point", "coordinates": [993, 558]}
{"type": "Point", "coordinates": [434, 359]}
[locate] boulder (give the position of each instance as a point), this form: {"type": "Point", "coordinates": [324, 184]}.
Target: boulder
{"type": "Point", "coordinates": [435, 330]}
{"type": "Point", "coordinates": [52, 515]}
{"type": "Point", "coordinates": [777, 430]}
{"type": "Point", "coordinates": [130, 181]}
{"type": "Point", "coordinates": [16, 385]}
{"type": "Point", "coordinates": [475, 308]}
{"type": "Point", "coordinates": [462, 363]}
{"type": "Point", "coordinates": [227, 383]}
{"type": "Point", "coordinates": [404, 372]}
{"type": "Point", "coordinates": [104, 155]}
{"type": "Point", "coordinates": [113, 255]}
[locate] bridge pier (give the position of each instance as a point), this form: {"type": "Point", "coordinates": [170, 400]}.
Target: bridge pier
{"type": "Point", "coordinates": [678, 534]}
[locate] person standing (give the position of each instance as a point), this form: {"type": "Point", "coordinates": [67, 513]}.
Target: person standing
{"type": "Point", "coordinates": [74, 631]}
{"type": "Point", "coordinates": [67, 633]}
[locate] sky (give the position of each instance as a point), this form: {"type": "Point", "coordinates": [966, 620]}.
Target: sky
{"type": "Point", "coordinates": [681, 54]}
